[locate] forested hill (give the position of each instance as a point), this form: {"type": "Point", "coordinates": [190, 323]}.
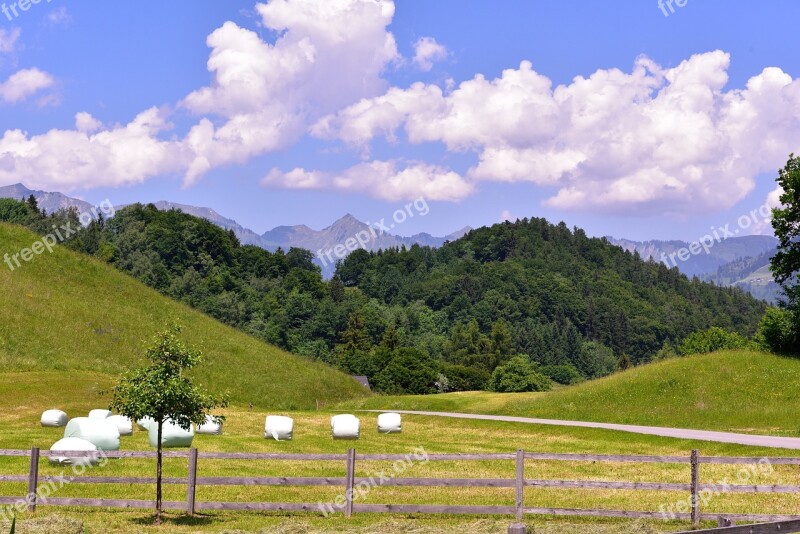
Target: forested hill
{"type": "Point", "coordinates": [547, 281]}
{"type": "Point", "coordinates": [422, 319]}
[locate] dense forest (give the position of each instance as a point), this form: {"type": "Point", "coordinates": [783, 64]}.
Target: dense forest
{"type": "Point", "coordinates": [515, 298]}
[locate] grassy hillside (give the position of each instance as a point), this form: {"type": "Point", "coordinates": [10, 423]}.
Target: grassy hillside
{"type": "Point", "coordinates": [70, 313]}
{"type": "Point", "coordinates": [739, 391]}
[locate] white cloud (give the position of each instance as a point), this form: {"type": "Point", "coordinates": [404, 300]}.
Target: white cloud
{"type": "Point", "coordinates": [507, 216]}
{"type": "Point", "coordinates": [774, 198]}
{"type": "Point", "coordinates": [23, 84]}
{"type": "Point", "coordinates": [84, 122]}
{"type": "Point", "coordinates": [59, 16]}
{"type": "Point", "coordinates": [8, 40]}
{"type": "Point", "coordinates": [387, 180]}
{"type": "Point", "coordinates": [653, 140]}
{"type": "Point", "coordinates": [427, 52]}
{"type": "Point", "coordinates": [68, 159]}
{"type": "Point", "coordinates": [329, 54]}
{"type": "Point", "coordinates": [262, 97]}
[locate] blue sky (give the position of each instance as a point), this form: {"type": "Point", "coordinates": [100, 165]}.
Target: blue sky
{"type": "Point", "coordinates": [291, 112]}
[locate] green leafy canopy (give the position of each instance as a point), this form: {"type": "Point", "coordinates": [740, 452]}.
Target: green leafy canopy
{"type": "Point", "coordinates": [162, 390]}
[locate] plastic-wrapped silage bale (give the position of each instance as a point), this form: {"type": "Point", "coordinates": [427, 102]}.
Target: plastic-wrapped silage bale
{"type": "Point", "coordinates": [102, 433]}
{"type": "Point", "coordinates": [389, 423]}
{"type": "Point", "coordinates": [124, 424]}
{"type": "Point", "coordinates": [99, 414]}
{"type": "Point", "coordinates": [210, 427]}
{"type": "Point", "coordinates": [172, 436]}
{"type": "Point", "coordinates": [279, 428]}
{"type": "Point", "coordinates": [345, 426]}
{"type": "Point", "coordinates": [73, 444]}
{"type": "Point", "coordinates": [54, 418]}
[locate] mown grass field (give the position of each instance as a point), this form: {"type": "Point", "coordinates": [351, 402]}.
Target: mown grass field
{"type": "Point", "coordinates": [738, 391]}
{"type": "Point", "coordinates": [65, 311]}
{"type": "Point", "coordinates": [244, 431]}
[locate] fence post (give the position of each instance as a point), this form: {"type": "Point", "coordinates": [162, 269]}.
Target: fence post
{"type": "Point", "coordinates": [349, 480]}
{"type": "Point", "coordinates": [695, 461]}
{"type": "Point", "coordinates": [33, 479]}
{"type": "Point", "coordinates": [520, 482]}
{"type": "Point", "coordinates": [191, 483]}
{"type": "Point", "coordinates": [519, 526]}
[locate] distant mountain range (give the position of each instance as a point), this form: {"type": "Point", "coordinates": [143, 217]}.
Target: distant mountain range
{"type": "Point", "coordinates": [245, 235]}
{"type": "Point", "coordinates": [320, 242]}
{"type": "Point", "coordinates": [737, 261]}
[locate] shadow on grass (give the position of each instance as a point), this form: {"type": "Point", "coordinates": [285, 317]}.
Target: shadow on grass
{"type": "Point", "coordinates": [183, 520]}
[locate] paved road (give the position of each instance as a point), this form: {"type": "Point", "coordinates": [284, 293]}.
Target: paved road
{"type": "Point", "coordinates": [682, 433]}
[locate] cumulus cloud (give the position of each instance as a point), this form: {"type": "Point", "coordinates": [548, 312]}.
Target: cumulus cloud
{"type": "Point", "coordinates": [653, 140]}
{"type": "Point", "coordinates": [69, 159]}
{"type": "Point", "coordinates": [262, 97]}
{"type": "Point", "coordinates": [328, 55]}
{"type": "Point", "coordinates": [8, 40]}
{"type": "Point", "coordinates": [427, 52]}
{"type": "Point", "coordinates": [23, 84]}
{"type": "Point", "coordinates": [84, 122]}
{"type": "Point", "coordinates": [387, 180]}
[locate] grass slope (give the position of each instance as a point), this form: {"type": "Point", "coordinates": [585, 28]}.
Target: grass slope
{"type": "Point", "coordinates": [70, 313]}
{"type": "Point", "coordinates": [740, 391]}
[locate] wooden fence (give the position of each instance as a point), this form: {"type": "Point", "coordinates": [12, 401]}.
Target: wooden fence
{"type": "Point", "coordinates": [349, 481]}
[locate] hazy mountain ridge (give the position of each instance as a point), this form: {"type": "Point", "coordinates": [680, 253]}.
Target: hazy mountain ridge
{"type": "Point", "coordinates": [751, 274]}
{"type": "Point", "coordinates": [245, 235]}
{"type": "Point", "coordinates": [51, 202]}
{"type": "Point", "coordinates": [322, 242]}
{"type": "Point", "coordinates": [737, 261]}
{"type": "Point", "coordinates": [721, 253]}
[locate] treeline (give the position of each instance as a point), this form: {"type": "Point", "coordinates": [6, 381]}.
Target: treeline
{"type": "Point", "coordinates": [509, 307]}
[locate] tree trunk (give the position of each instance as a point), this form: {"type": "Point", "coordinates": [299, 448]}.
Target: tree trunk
{"type": "Point", "coordinates": [158, 475]}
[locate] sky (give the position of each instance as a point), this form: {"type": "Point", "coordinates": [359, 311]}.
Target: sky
{"type": "Point", "coordinates": [638, 119]}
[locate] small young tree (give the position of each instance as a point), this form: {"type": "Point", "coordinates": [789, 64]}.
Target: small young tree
{"type": "Point", "coordinates": [162, 391]}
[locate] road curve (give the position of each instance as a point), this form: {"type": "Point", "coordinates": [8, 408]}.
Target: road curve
{"type": "Point", "coordinates": [681, 433]}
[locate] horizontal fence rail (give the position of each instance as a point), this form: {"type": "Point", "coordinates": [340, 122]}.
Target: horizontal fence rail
{"type": "Point", "coordinates": [350, 480]}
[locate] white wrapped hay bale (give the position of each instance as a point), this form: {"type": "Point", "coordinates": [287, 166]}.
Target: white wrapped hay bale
{"type": "Point", "coordinates": [345, 426]}
{"type": "Point", "coordinates": [54, 418]}
{"type": "Point", "coordinates": [389, 423]}
{"type": "Point", "coordinates": [99, 414]}
{"type": "Point", "coordinates": [124, 424]}
{"type": "Point", "coordinates": [172, 436]}
{"type": "Point", "coordinates": [100, 432]}
{"type": "Point", "coordinates": [279, 428]}
{"type": "Point", "coordinates": [144, 423]}
{"type": "Point", "coordinates": [73, 444]}
{"type": "Point", "coordinates": [210, 427]}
